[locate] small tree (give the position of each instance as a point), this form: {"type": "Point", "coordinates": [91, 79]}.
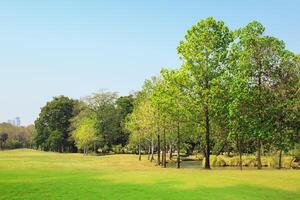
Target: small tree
{"type": "Point", "coordinates": [85, 133]}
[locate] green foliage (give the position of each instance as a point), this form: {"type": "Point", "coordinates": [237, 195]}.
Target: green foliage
{"type": "Point", "coordinates": [205, 52]}
{"type": "Point", "coordinates": [98, 120]}
{"type": "Point", "coordinates": [85, 133]}
{"type": "Point", "coordinates": [14, 144]}
{"type": "Point", "coordinates": [53, 125]}
{"type": "Point", "coordinates": [263, 89]}
{"type": "Point", "coordinates": [124, 106]}
{"type": "Point", "coordinates": [141, 122]}
{"type": "Point", "coordinates": [250, 161]}
{"type": "Point", "coordinates": [12, 137]}
{"type": "Point", "coordinates": [237, 92]}
{"type": "Point", "coordinates": [3, 138]}
{"type": "Point", "coordinates": [110, 112]}
{"type": "Point", "coordinates": [296, 150]}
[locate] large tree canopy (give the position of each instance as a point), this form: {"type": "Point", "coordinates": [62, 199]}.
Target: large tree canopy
{"type": "Point", "coordinates": [53, 125]}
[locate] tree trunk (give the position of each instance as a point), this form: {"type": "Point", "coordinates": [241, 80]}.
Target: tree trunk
{"type": "Point", "coordinates": [241, 161]}
{"type": "Point", "coordinates": [152, 150]}
{"type": "Point", "coordinates": [178, 145]}
{"type": "Point", "coordinates": [171, 152]}
{"type": "Point", "coordinates": [164, 150]}
{"type": "Point", "coordinates": [191, 148]}
{"type": "Point", "coordinates": [280, 151]}
{"type": "Point", "coordinates": [221, 149]}
{"type": "Point", "coordinates": [149, 151]}
{"type": "Point", "coordinates": [158, 150]}
{"type": "Point", "coordinates": [280, 160]}
{"type": "Point", "coordinates": [207, 138]}
{"type": "Point", "coordinates": [240, 153]}
{"type": "Point", "coordinates": [258, 158]}
{"type": "Point", "coordinates": [140, 154]}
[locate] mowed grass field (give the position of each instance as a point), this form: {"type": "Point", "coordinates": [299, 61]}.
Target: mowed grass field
{"type": "Point", "coordinates": [29, 174]}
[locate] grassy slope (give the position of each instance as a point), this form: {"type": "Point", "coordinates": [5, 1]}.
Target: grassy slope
{"type": "Point", "coordinates": [28, 174]}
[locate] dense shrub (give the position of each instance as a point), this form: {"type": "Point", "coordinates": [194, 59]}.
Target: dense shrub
{"type": "Point", "coordinates": [218, 161]}
{"type": "Point", "coordinates": [14, 144]}
{"type": "Point", "coordinates": [250, 161]}
{"type": "Point", "coordinates": [119, 149]}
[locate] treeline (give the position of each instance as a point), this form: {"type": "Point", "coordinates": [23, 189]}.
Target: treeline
{"type": "Point", "coordinates": [93, 123]}
{"type": "Point", "coordinates": [237, 92]}
{"type": "Point", "coordinates": [13, 137]}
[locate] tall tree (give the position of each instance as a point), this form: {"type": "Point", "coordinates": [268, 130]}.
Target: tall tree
{"type": "Point", "coordinates": [178, 103]}
{"type": "Point", "coordinates": [204, 52]}
{"type": "Point", "coordinates": [261, 66]}
{"type": "Point", "coordinates": [285, 103]}
{"type": "Point", "coordinates": [140, 123]}
{"type": "Point", "coordinates": [149, 92]}
{"type": "Point", "coordinates": [160, 102]}
{"type": "Point", "coordinates": [103, 104]}
{"type": "Point", "coordinates": [124, 106]}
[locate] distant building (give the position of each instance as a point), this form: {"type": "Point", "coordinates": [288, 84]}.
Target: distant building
{"type": "Point", "coordinates": [15, 122]}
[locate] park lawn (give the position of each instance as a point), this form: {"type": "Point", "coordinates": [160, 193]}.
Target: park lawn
{"type": "Point", "coordinates": [29, 174]}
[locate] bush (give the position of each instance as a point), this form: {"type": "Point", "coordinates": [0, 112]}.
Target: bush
{"type": "Point", "coordinates": [218, 162]}
{"type": "Point", "coordinates": [272, 162]}
{"type": "Point", "coordinates": [287, 162]}
{"type": "Point", "coordinates": [117, 148]}
{"type": "Point", "coordinates": [14, 144]}
{"type": "Point", "coordinates": [250, 161]}
{"type": "Point", "coordinates": [234, 161]}
{"type": "Point", "coordinates": [265, 161]}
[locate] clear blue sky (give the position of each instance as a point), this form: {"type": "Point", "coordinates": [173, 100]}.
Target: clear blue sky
{"type": "Point", "coordinates": [77, 47]}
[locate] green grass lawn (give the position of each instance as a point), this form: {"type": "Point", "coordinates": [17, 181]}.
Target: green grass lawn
{"type": "Point", "coordinates": [28, 174]}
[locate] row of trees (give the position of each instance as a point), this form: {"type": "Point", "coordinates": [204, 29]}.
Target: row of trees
{"type": "Point", "coordinates": [95, 122]}
{"type": "Point", "coordinates": [237, 91]}
{"type": "Point", "coordinates": [12, 137]}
